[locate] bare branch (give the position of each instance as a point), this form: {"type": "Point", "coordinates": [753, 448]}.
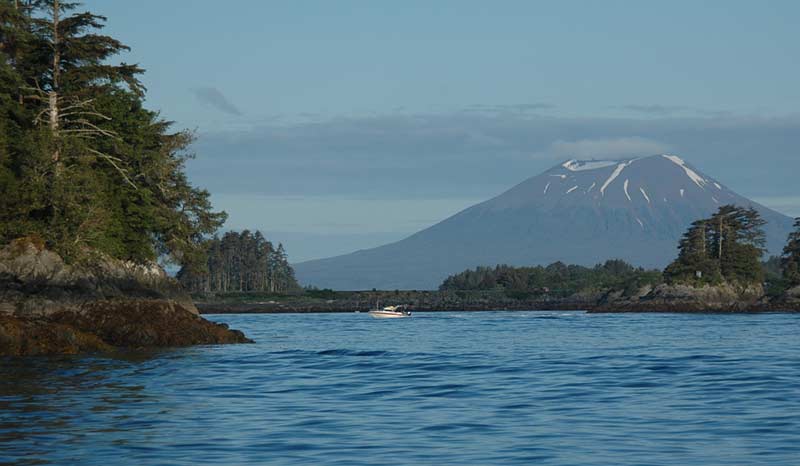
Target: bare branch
{"type": "Point", "coordinates": [113, 161]}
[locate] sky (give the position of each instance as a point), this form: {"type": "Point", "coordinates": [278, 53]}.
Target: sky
{"type": "Point", "coordinates": [337, 126]}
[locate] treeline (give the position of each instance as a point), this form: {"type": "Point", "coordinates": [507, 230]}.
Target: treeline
{"type": "Point", "coordinates": [83, 164]}
{"type": "Point", "coordinates": [241, 262]}
{"type": "Point", "coordinates": [557, 279]}
{"type": "Point", "coordinates": [726, 247]}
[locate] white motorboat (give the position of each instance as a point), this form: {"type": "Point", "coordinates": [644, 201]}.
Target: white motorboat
{"type": "Point", "coordinates": [390, 312]}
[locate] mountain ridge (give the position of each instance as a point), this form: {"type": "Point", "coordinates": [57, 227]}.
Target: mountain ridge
{"type": "Point", "coordinates": [579, 211]}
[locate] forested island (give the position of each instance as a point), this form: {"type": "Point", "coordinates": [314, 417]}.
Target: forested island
{"type": "Point", "coordinates": [718, 268]}
{"type": "Point", "coordinates": [93, 192]}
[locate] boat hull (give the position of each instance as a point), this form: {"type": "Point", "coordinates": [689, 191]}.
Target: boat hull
{"type": "Point", "coordinates": [388, 315]}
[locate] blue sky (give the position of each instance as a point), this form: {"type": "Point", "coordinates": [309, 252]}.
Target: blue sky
{"type": "Point", "coordinates": [340, 125]}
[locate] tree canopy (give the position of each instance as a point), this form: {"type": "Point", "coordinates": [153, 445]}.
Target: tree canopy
{"type": "Point", "coordinates": [727, 246]}
{"type": "Point", "coordinates": [241, 262]}
{"type": "Point", "coordinates": [83, 164]}
{"type": "Point", "coordinates": [557, 279]}
{"type": "Point", "coordinates": [790, 259]}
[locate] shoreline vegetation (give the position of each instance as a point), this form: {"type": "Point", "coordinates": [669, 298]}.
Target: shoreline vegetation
{"type": "Point", "coordinates": [718, 269]}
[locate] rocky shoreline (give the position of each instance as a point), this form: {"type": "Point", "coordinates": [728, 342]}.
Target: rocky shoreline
{"type": "Point", "coordinates": [101, 305]}
{"type": "Point", "coordinates": [49, 307]}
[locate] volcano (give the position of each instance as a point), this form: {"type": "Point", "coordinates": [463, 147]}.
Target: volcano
{"type": "Point", "coordinates": [578, 212]}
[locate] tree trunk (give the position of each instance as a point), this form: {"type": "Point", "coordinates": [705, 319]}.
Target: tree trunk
{"type": "Point", "coordinates": [703, 230]}
{"type": "Point", "coordinates": [53, 96]}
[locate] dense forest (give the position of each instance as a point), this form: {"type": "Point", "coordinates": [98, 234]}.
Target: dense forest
{"type": "Point", "coordinates": [83, 165]}
{"type": "Point", "coordinates": [240, 262]}
{"type": "Point", "coordinates": [556, 279]}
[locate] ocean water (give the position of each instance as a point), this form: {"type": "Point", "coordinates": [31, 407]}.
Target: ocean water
{"type": "Point", "coordinates": [545, 388]}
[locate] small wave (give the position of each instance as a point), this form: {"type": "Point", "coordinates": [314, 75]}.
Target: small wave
{"type": "Point", "coordinates": [347, 352]}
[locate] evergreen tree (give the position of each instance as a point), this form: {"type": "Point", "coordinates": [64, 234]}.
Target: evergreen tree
{"type": "Point", "coordinates": [557, 279]}
{"type": "Point", "coordinates": [82, 163]}
{"type": "Point", "coordinates": [727, 246]}
{"type": "Point", "coordinates": [694, 263]}
{"type": "Point", "coordinates": [241, 262]}
{"type": "Point", "coordinates": [790, 260]}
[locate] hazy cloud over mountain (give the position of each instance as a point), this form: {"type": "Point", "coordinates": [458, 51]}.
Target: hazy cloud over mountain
{"type": "Point", "coordinates": [215, 98]}
{"type": "Point", "coordinates": [604, 148]}
{"type": "Point", "coordinates": [475, 155]}
{"type": "Point", "coordinates": [655, 109]}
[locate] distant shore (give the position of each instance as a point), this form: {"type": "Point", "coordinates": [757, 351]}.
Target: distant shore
{"type": "Point", "coordinates": [438, 301]}
{"type": "Point", "coordinates": [265, 308]}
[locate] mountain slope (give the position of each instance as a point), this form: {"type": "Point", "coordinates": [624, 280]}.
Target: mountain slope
{"type": "Point", "coordinates": [580, 212]}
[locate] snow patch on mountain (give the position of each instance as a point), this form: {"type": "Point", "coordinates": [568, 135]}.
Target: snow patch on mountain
{"type": "Point", "coordinates": [645, 195]}
{"type": "Point", "coordinates": [698, 180]}
{"type": "Point", "coordinates": [572, 189]}
{"type": "Point", "coordinates": [625, 186]}
{"type": "Point", "coordinates": [582, 165]}
{"type": "Point", "coordinates": [617, 171]}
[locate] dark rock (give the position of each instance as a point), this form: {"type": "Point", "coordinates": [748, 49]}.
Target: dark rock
{"type": "Point", "coordinates": [30, 337]}
{"type": "Point", "coordinates": [49, 307]}
{"type": "Point", "coordinates": [105, 325]}
{"type": "Point", "coordinates": [146, 324]}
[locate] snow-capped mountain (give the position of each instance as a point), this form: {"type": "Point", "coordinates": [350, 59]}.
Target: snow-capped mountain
{"type": "Point", "coordinates": [580, 211]}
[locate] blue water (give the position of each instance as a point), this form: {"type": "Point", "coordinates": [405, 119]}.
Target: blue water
{"type": "Point", "coordinates": [548, 388]}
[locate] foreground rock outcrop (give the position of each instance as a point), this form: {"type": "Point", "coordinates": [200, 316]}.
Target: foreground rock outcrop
{"type": "Point", "coordinates": [49, 307]}
{"type": "Point", "coordinates": [105, 325]}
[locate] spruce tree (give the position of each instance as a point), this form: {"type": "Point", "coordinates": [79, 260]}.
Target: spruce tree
{"type": "Point", "coordinates": [790, 259]}
{"type": "Point", "coordinates": [82, 163]}
{"type": "Point", "coordinates": [240, 262]}
{"type": "Point", "coordinates": [694, 263]}
{"type": "Point", "coordinates": [727, 246]}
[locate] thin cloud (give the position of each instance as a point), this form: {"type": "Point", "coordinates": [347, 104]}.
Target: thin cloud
{"type": "Point", "coordinates": [604, 148]}
{"type": "Point", "coordinates": [474, 155]}
{"type": "Point", "coordinates": [212, 96]}
{"type": "Point", "coordinates": [509, 108]}
{"type": "Point", "coordinates": [657, 109]}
